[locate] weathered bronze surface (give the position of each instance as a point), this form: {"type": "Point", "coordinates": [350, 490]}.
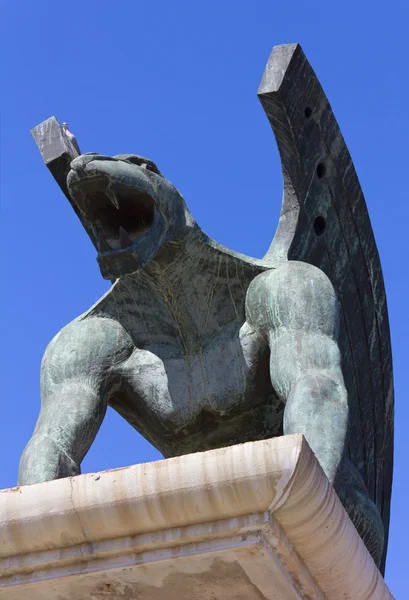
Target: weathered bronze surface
{"type": "Point", "coordinates": [200, 347]}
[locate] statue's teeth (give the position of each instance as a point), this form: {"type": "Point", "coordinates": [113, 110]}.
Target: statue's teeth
{"type": "Point", "coordinates": [103, 245]}
{"type": "Point", "coordinates": [112, 197]}
{"type": "Point", "coordinates": [124, 238]}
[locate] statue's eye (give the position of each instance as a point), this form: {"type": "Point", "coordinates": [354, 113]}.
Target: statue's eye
{"type": "Point", "coordinates": [142, 162]}
{"type": "Point", "coordinates": [151, 167]}
{"type": "Point", "coordinates": [134, 160]}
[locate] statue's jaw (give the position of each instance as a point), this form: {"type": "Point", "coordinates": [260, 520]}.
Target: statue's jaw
{"type": "Point", "coordinates": [120, 215]}
{"type": "Point", "coordinates": [117, 202]}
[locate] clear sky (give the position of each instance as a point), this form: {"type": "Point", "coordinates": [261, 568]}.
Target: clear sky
{"type": "Point", "coordinates": [176, 82]}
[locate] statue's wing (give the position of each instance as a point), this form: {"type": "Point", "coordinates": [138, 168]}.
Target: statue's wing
{"type": "Point", "coordinates": [324, 221]}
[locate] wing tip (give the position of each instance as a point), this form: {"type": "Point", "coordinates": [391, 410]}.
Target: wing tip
{"type": "Point", "coordinates": [277, 65]}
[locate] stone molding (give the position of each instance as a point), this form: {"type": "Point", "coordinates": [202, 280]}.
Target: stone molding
{"type": "Point", "coordinates": [264, 505]}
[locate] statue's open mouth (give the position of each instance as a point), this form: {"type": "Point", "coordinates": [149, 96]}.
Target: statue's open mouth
{"type": "Point", "coordinates": [120, 215]}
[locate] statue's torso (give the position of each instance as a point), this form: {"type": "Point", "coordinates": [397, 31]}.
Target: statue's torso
{"type": "Point", "coordinates": [219, 395]}
{"type": "Point", "coordinates": [191, 388]}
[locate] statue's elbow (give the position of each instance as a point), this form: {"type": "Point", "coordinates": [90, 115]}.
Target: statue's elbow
{"type": "Point", "coordinates": [325, 390]}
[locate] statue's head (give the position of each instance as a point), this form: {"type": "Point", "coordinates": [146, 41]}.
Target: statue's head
{"type": "Point", "coordinates": [132, 210]}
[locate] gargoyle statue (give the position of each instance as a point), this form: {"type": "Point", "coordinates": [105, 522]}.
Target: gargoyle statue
{"type": "Point", "coordinates": [199, 347]}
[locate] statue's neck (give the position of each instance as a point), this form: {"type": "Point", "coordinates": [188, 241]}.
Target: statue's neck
{"type": "Point", "coordinates": [193, 269]}
{"type": "Point", "coordinates": [181, 264]}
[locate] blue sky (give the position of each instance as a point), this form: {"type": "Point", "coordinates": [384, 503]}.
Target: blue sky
{"type": "Point", "coordinates": [176, 82]}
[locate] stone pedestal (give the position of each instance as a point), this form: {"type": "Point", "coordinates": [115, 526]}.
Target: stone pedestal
{"type": "Point", "coordinates": [251, 521]}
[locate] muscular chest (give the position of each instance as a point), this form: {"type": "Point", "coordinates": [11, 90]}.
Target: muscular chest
{"type": "Point", "coordinates": [171, 387]}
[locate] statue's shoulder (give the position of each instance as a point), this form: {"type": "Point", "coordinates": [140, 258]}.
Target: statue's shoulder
{"type": "Point", "coordinates": [295, 294]}
{"type": "Point", "coordinates": [86, 344]}
{"type": "Point", "coordinates": [294, 273]}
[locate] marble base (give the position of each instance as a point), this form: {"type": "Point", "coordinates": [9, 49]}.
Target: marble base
{"type": "Point", "coordinates": [252, 521]}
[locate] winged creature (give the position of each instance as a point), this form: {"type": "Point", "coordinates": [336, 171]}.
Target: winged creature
{"type": "Point", "coordinates": [198, 346]}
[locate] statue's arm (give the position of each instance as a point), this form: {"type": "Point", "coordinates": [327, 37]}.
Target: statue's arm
{"type": "Point", "coordinates": [77, 374]}
{"type": "Point", "coordinates": [296, 309]}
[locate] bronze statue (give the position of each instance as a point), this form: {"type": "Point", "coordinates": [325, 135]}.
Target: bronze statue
{"type": "Point", "coordinates": [199, 347]}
